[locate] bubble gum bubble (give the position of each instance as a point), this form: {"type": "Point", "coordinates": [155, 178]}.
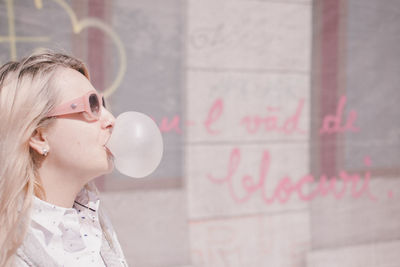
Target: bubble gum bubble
{"type": "Point", "coordinates": [136, 144]}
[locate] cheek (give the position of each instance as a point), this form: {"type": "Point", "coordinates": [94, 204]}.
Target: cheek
{"type": "Point", "coordinates": [74, 141]}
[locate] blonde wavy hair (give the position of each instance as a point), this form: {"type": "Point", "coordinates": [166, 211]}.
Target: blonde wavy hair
{"type": "Point", "coordinates": [27, 94]}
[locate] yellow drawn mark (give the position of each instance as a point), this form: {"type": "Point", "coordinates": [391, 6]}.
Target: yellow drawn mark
{"type": "Point", "coordinates": [79, 25]}
{"type": "Point", "coordinates": [11, 29]}
{"type": "Point", "coordinates": [12, 39]}
{"type": "Point", "coordinates": [38, 4]}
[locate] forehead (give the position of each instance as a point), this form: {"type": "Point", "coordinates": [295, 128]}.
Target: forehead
{"type": "Point", "coordinates": [71, 83]}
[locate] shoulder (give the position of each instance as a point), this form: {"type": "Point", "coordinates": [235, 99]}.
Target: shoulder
{"type": "Point", "coordinates": [31, 253]}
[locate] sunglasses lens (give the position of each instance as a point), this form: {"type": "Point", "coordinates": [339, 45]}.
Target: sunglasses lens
{"type": "Point", "coordinates": [94, 105]}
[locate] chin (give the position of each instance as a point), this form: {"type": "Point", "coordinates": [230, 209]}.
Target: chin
{"type": "Point", "coordinates": [103, 166]}
{"type": "Point", "coordinates": [110, 164]}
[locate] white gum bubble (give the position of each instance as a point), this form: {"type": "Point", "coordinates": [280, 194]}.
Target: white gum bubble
{"type": "Point", "coordinates": [136, 144]}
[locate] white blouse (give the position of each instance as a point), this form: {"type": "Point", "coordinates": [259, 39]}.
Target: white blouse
{"type": "Point", "coordinates": [72, 236]}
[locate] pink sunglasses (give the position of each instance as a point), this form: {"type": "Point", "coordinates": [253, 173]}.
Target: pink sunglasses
{"type": "Point", "coordinates": [90, 103]}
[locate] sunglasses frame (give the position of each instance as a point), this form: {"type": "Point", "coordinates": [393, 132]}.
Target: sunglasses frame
{"type": "Point", "coordinates": [77, 105]}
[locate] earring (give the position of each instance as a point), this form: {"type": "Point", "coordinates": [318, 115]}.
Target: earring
{"type": "Point", "coordinates": [44, 152]}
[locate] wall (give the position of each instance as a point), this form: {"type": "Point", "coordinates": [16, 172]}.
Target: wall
{"type": "Point", "coordinates": [248, 95]}
{"type": "Point", "coordinates": [279, 120]}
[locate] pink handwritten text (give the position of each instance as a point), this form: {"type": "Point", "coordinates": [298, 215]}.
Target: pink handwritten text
{"type": "Point", "coordinates": [332, 123]}
{"type": "Point", "coordinates": [286, 187]}
{"type": "Point", "coordinates": [271, 122]}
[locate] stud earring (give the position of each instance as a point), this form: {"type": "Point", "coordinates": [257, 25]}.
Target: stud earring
{"type": "Point", "coordinates": [44, 152]}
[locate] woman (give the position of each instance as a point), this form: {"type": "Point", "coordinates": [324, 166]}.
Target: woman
{"type": "Point", "coordinates": [54, 127]}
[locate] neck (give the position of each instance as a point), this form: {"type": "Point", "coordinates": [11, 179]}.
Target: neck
{"type": "Point", "coordinates": [61, 188]}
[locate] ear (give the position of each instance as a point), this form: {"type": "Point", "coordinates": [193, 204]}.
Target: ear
{"type": "Point", "coordinates": [38, 141]}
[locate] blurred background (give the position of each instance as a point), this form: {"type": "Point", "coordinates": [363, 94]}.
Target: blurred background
{"type": "Point", "coordinates": [280, 120]}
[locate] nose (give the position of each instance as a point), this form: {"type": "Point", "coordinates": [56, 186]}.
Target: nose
{"type": "Point", "coordinates": [107, 119]}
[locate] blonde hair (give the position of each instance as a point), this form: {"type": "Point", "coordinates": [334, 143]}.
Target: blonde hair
{"type": "Point", "coordinates": [27, 94]}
